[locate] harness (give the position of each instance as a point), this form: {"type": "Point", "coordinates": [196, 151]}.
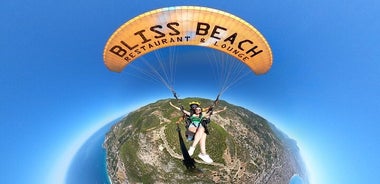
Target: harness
{"type": "Point", "coordinates": [188, 121]}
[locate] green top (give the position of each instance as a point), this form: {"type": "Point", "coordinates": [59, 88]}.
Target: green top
{"type": "Point", "coordinates": [196, 120]}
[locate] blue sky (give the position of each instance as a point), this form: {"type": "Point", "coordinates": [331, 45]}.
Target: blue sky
{"type": "Point", "coordinates": [323, 88]}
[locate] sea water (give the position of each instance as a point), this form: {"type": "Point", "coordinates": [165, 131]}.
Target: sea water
{"type": "Point", "coordinates": [89, 163]}
{"type": "Point", "coordinates": [296, 179]}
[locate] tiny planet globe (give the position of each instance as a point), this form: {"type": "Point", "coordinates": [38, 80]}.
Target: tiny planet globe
{"type": "Point", "coordinates": [143, 147]}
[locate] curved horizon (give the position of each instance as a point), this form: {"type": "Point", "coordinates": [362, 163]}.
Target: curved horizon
{"type": "Point", "coordinates": [84, 140]}
{"type": "Point", "coordinates": [322, 88]}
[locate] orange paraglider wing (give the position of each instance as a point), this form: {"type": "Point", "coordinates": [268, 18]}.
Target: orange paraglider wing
{"type": "Point", "coordinates": [188, 25]}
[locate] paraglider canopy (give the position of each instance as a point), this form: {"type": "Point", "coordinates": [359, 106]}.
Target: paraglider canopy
{"type": "Point", "coordinates": [188, 25]}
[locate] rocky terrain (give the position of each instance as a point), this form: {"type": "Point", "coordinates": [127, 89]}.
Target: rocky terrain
{"type": "Point", "coordinates": [144, 148]}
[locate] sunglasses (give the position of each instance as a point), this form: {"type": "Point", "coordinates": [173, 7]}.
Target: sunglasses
{"type": "Point", "coordinates": [193, 106]}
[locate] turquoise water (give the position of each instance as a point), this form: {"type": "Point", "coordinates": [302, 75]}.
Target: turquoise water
{"type": "Point", "coordinates": [89, 163]}
{"type": "Point", "coordinates": [296, 179]}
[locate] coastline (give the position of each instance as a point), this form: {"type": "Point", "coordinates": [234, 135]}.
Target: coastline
{"type": "Point", "coordinates": [89, 164]}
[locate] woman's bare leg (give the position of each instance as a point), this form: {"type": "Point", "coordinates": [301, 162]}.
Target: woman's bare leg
{"type": "Point", "coordinates": [202, 143]}
{"type": "Point", "coordinates": [198, 136]}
